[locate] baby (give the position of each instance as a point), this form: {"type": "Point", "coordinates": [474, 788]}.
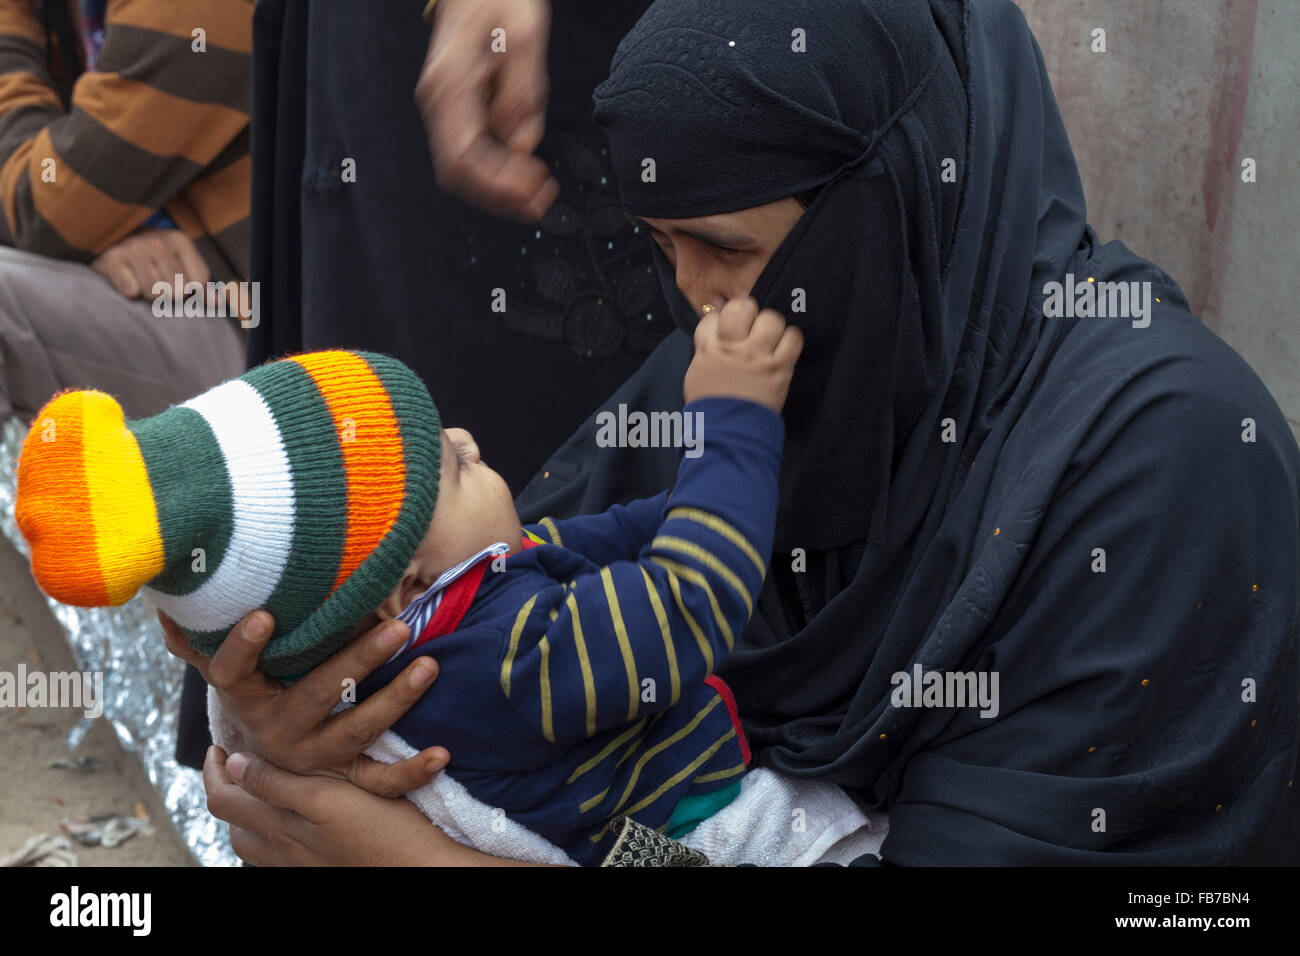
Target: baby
{"type": "Point", "coordinates": [577, 656]}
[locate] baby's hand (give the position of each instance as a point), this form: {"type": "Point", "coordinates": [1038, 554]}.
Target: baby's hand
{"type": "Point", "coordinates": [743, 353]}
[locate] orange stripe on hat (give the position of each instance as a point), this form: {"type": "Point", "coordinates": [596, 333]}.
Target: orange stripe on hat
{"type": "Point", "coordinates": [371, 440]}
{"type": "Point", "coordinates": [54, 508]}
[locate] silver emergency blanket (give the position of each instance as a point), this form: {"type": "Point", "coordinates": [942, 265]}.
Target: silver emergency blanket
{"type": "Point", "coordinates": [142, 685]}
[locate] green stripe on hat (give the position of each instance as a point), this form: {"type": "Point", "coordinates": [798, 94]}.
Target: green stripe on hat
{"type": "Point", "coordinates": [319, 490]}
{"type": "Point", "coordinates": [330, 626]}
{"type": "Point", "coordinates": [191, 494]}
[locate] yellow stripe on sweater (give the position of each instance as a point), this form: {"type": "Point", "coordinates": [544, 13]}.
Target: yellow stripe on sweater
{"type": "Point", "coordinates": [587, 805]}
{"type": "Point", "coordinates": [676, 571]}
{"type": "Point", "coordinates": [508, 665]}
{"type": "Point", "coordinates": [666, 632]}
{"type": "Point", "coordinates": [624, 645]}
{"type": "Point", "coordinates": [613, 745]}
{"type": "Point", "coordinates": [714, 523]}
{"type": "Point", "coordinates": [128, 541]}
{"type": "Point", "coordinates": [544, 676]}
{"type": "Point", "coordinates": [680, 775]}
{"type": "Point", "coordinates": [584, 663]}
{"type": "Point", "coordinates": [646, 757]}
{"type": "Point", "coordinates": [553, 531]}
{"type": "Point", "coordinates": [692, 550]}
{"type": "Point", "coordinates": [720, 774]}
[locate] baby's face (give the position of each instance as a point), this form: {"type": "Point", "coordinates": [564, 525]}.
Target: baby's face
{"type": "Point", "coordinates": [475, 509]}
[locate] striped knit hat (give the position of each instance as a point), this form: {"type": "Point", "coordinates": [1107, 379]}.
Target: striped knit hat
{"type": "Point", "coordinates": [302, 487]}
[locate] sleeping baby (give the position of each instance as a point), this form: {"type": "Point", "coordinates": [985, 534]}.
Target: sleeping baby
{"type": "Point", "coordinates": [577, 656]}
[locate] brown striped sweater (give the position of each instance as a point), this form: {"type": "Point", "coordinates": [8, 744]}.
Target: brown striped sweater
{"type": "Point", "coordinates": [157, 125]}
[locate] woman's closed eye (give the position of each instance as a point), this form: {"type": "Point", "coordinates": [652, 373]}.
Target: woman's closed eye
{"type": "Point", "coordinates": [726, 252]}
{"type": "Point", "coordinates": [722, 252]}
{"type": "Point", "coordinates": [461, 460]}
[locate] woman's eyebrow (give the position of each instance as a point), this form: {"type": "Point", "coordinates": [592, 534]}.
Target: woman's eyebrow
{"type": "Point", "coordinates": [716, 238]}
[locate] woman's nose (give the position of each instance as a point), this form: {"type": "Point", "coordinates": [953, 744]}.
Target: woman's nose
{"type": "Point", "coordinates": [697, 287]}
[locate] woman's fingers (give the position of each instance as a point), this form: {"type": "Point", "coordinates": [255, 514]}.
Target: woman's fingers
{"type": "Point", "coordinates": [397, 779]}
{"type": "Point", "coordinates": [179, 646]}
{"type": "Point", "coordinates": [349, 733]}
{"type": "Point", "coordinates": [233, 667]}
{"type": "Point", "coordinates": [313, 698]}
{"type": "Point", "coordinates": [276, 789]}
{"type": "Point", "coordinates": [253, 848]}
{"type": "Point", "coordinates": [242, 806]}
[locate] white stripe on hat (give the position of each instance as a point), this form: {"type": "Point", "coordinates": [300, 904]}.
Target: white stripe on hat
{"type": "Point", "coordinates": [262, 501]}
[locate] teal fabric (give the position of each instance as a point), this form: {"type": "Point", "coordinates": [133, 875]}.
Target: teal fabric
{"type": "Point", "coordinates": [694, 808]}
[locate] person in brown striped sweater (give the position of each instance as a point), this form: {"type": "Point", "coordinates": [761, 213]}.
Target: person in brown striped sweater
{"type": "Point", "coordinates": [124, 135]}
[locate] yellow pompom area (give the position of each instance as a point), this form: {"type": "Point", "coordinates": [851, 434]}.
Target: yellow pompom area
{"type": "Point", "coordinates": [85, 504]}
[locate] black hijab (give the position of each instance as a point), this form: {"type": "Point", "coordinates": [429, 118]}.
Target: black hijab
{"type": "Point", "coordinates": [985, 457]}
{"type": "Point", "coordinates": [863, 103]}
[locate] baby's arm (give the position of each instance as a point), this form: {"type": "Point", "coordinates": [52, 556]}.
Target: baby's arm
{"type": "Point", "coordinates": [626, 640]}
{"type": "Point", "coordinates": [615, 645]}
{"type": "Point", "coordinates": [617, 534]}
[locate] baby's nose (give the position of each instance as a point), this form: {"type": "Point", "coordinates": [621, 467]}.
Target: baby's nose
{"type": "Point", "coordinates": [465, 442]}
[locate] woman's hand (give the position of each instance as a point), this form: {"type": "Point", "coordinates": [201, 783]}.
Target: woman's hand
{"type": "Point", "coordinates": [282, 819]}
{"type": "Point", "coordinates": [292, 726]}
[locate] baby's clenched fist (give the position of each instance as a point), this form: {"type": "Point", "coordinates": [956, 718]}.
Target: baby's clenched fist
{"type": "Point", "coordinates": [743, 353]}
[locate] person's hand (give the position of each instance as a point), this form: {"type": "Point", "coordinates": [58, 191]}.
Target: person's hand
{"type": "Point", "coordinates": [282, 819]}
{"type": "Point", "coordinates": [143, 258]}
{"type": "Point", "coordinates": [292, 726]}
{"type": "Point", "coordinates": [743, 353]}
{"type": "Point", "coordinates": [484, 112]}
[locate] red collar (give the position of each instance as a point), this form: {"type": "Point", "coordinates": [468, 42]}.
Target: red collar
{"type": "Point", "coordinates": [457, 599]}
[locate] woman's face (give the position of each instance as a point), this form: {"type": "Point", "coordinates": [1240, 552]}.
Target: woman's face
{"type": "Point", "coordinates": [716, 258]}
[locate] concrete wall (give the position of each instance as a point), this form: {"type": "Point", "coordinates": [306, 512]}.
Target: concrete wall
{"type": "Point", "coordinates": [1160, 124]}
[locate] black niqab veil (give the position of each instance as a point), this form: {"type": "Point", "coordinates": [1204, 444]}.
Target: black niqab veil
{"type": "Point", "coordinates": [871, 116]}
{"type": "Point", "coordinates": [1064, 504]}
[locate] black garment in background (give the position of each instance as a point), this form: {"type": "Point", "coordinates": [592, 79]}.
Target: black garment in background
{"type": "Point", "coordinates": [391, 264]}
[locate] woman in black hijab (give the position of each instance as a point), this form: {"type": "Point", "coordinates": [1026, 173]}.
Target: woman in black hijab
{"type": "Point", "coordinates": [1095, 518]}
{"type": "Point", "coordinates": [1102, 512]}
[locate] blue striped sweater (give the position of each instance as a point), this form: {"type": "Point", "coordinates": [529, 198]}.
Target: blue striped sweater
{"type": "Point", "coordinates": [576, 687]}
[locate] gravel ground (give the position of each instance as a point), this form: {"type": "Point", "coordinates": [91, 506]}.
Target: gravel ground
{"type": "Point", "coordinates": [35, 797]}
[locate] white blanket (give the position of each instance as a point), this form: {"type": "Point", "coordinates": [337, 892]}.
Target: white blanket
{"type": "Point", "coordinates": [775, 820]}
